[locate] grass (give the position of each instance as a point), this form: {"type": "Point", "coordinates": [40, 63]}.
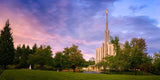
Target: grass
{"type": "Point", "coordinates": [127, 72]}
{"type": "Point", "coordinates": [52, 75]}
{"type": "Point", "coordinates": [1, 71]}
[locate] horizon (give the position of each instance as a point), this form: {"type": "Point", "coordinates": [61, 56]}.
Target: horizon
{"type": "Point", "coordinates": [82, 22]}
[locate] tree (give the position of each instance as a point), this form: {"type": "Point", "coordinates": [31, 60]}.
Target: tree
{"type": "Point", "coordinates": [118, 62]}
{"type": "Point", "coordinates": [136, 58]}
{"type": "Point", "coordinates": [21, 56]}
{"type": "Point", "coordinates": [91, 61]}
{"type": "Point", "coordinates": [115, 43]}
{"type": "Point", "coordinates": [24, 57]}
{"type": "Point", "coordinates": [42, 57]}
{"type": "Point", "coordinates": [126, 53]}
{"type": "Point", "coordinates": [140, 43]}
{"type": "Point", "coordinates": [34, 48]}
{"type": "Point", "coordinates": [59, 60]}
{"type": "Point", "coordinates": [75, 57]}
{"type": "Point", "coordinates": [146, 64]}
{"type": "Point", "coordinates": [111, 61]}
{"type": "Point", "coordinates": [156, 62]}
{"type": "Point", "coordinates": [66, 54]}
{"type": "Point", "coordinates": [137, 53]}
{"type": "Point", "coordinates": [6, 46]}
{"type": "Point", "coordinates": [18, 53]}
{"type": "Point", "coordinates": [103, 64]}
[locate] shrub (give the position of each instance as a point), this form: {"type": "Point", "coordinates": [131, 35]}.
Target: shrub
{"type": "Point", "coordinates": [36, 66]}
{"type": "Point", "coordinates": [46, 67]}
{"type": "Point", "coordinates": [11, 66]}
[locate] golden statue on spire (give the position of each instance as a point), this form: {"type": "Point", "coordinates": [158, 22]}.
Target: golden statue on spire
{"type": "Point", "coordinates": [106, 10]}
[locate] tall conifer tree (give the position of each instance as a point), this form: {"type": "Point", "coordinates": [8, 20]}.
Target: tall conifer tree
{"type": "Point", "coordinates": [6, 46]}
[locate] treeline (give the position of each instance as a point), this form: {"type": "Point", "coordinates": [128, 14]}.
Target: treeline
{"type": "Point", "coordinates": [23, 57]}
{"type": "Point", "coordinates": [132, 57]}
{"type": "Point", "coordinates": [37, 57]}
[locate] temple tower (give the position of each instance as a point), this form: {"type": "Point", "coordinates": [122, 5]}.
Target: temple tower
{"type": "Point", "coordinates": [106, 36]}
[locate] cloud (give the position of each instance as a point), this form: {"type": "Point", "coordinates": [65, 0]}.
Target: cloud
{"type": "Point", "coordinates": [137, 8]}
{"type": "Point", "coordinates": [25, 27]}
{"type": "Point", "coordinates": [61, 23]}
{"type": "Point", "coordinates": [127, 27]}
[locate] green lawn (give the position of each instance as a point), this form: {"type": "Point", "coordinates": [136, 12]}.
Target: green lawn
{"type": "Point", "coordinates": [1, 71]}
{"type": "Point", "coordinates": [51, 75]}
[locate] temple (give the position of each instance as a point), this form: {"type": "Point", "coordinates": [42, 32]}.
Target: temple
{"type": "Point", "coordinates": [107, 48]}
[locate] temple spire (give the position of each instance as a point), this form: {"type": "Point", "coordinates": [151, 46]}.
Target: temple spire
{"type": "Point", "coordinates": [106, 19]}
{"type": "Point", "coordinates": [106, 31]}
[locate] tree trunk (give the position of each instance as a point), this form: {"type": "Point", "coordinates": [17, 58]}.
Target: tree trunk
{"type": "Point", "coordinates": [5, 67]}
{"type": "Point", "coordinates": [117, 69]}
{"type": "Point", "coordinates": [135, 71]}
{"type": "Point", "coordinates": [74, 69]}
{"type": "Point", "coordinates": [104, 68]}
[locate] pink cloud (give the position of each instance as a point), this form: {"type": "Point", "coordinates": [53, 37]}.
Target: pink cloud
{"type": "Point", "coordinates": [24, 27]}
{"type": "Point", "coordinates": [27, 30]}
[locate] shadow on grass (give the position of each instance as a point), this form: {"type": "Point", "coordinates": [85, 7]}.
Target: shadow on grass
{"type": "Point", "coordinates": [1, 71]}
{"type": "Point", "coordinates": [126, 72]}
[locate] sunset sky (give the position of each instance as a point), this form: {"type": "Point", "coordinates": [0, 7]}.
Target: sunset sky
{"type": "Point", "coordinates": [61, 23]}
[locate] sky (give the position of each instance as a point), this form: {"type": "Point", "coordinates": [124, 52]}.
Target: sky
{"type": "Point", "coordinates": [61, 23]}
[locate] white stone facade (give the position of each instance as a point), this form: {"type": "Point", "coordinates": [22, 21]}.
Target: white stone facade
{"type": "Point", "coordinates": [107, 48]}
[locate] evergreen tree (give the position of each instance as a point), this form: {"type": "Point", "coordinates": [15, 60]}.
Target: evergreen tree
{"type": "Point", "coordinates": [18, 53]}
{"type": "Point", "coordinates": [24, 57]}
{"type": "Point", "coordinates": [6, 46]}
{"type": "Point", "coordinates": [34, 48]}
{"type": "Point", "coordinates": [42, 58]}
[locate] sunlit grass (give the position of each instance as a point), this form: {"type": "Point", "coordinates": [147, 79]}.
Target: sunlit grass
{"type": "Point", "coordinates": [52, 75]}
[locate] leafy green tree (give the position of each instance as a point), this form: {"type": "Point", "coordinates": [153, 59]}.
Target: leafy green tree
{"type": "Point", "coordinates": [118, 63]}
{"type": "Point", "coordinates": [7, 51]}
{"type": "Point", "coordinates": [115, 43]}
{"type": "Point", "coordinates": [75, 57]}
{"type": "Point", "coordinates": [140, 43]}
{"type": "Point", "coordinates": [91, 61]}
{"type": "Point", "coordinates": [110, 61]}
{"type": "Point", "coordinates": [126, 51]}
{"type": "Point", "coordinates": [146, 64]}
{"type": "Point", "coordinates": [103, 64]}
{"type": "Point", "coordinates": [156, 63]}
{"type": "Point", "coordinates": [66, 53]}
{"type": "Point", "coordinates": [60, 61]}
{"type": "Point", "coordinates": [136, 58]}
{"type": "Point", "coordinates": [125, 57]}
{"type": "Point", "coordinates": [138, 55]}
